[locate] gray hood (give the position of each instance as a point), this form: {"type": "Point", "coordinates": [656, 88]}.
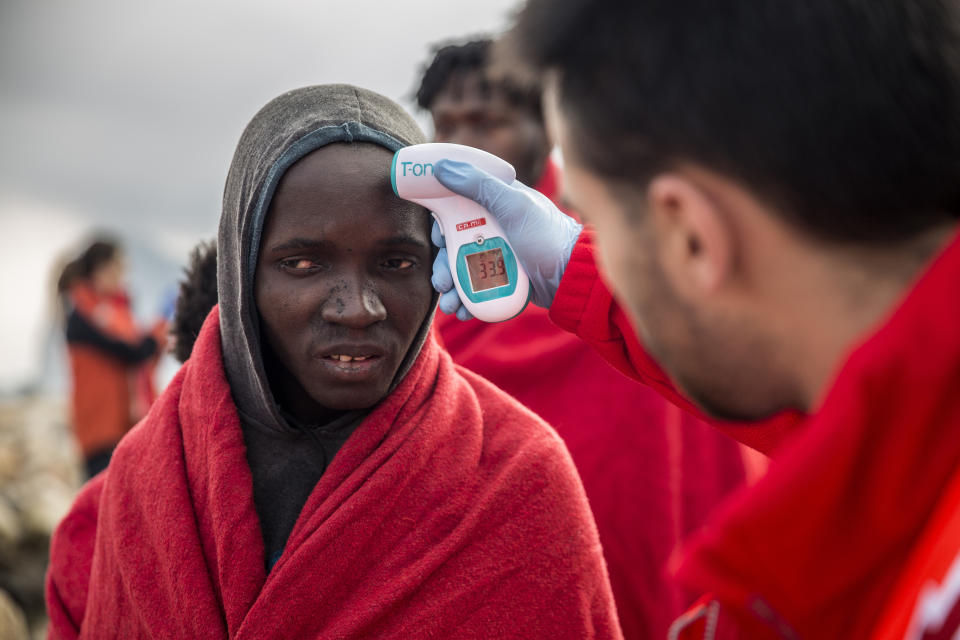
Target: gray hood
{"type": "Point", "coordinates": [285, 130]}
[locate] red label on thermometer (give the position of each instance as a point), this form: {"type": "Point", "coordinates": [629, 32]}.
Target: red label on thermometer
{"type": "Point", "coordinates": [470, 224]}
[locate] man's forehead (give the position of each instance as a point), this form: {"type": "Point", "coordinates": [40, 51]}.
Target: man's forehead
{"type": "Point", "coordinates": [341, 164]}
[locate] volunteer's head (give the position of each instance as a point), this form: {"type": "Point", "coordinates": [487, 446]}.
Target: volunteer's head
{"type": "Point", "coordinates": [765, 179]}
{"type": "Point", "coordinates": [471, 108]}
{"type": "Point", "coordinates": [323, 273]}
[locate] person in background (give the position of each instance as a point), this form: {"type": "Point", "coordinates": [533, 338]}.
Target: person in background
{"type": "Point", "coordinates": [198, 295]}
{"type": "Point", "coordinates": [111, 359]}
{"type": "Point", "coordinates": [648, 487]}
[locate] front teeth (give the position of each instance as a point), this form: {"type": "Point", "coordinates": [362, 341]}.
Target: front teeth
{"type": "Point", "coordinates": [349, 358]}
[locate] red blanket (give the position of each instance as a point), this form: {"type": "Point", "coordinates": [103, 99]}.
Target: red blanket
{"type": "Point", "coordinates": [450, 513]}
{"type": "Point", "coordinates": [652, 472]}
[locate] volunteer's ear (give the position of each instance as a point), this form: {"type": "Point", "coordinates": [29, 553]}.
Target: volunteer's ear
{"type": "Point", "coordinates": [694, 239]}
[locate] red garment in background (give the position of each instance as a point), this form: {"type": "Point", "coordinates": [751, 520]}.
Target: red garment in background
{"type": "Point", "coordinates": [852, 525]}
{"type": "Point", "coordinates": [651, 471]}
{"type": "Point", "coordinates": [451, 512]}
{"type": "Point", "coordinates": [108, 395]}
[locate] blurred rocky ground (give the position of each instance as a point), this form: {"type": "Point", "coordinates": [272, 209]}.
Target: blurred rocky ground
{"type": "Point", "coordinates": [40, 472]}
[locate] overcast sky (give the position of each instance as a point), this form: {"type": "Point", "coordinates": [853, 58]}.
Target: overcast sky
{"type": "Point", "coordinates": [123, 115]}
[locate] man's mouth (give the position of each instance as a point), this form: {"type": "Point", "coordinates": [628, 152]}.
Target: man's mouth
{"type": "Point", "coordinates": [346, 358]}
{"type": "Point", "coordinates": [349, 362]}
{"type": "Point", "coordinates": [358, 365]}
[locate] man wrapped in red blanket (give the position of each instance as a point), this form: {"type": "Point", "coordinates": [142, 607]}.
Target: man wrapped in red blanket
{"type": "Point", "coordinates": [319, 468]}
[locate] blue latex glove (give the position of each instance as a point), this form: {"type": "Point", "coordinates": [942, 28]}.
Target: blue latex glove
{"type": "Point", "coordinates": [541, 235]}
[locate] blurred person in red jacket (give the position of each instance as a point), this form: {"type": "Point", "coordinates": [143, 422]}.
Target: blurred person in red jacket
{"type": "Point", "coordinates": [774, 193]}
{"type": "Point", "coordinates": [111, 359]}
{"type": "Point", "coordinates": [642, 509]}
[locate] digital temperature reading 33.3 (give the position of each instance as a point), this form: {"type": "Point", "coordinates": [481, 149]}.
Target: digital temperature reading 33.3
{"type": "Point", "coordinates": [487, 270]}
{"type": "Point", "coordinates": [489, 280]}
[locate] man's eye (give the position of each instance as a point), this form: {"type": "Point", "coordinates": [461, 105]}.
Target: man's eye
{"type": "Point", "coordinates": [298, 264]}
{"type": "Point", "coordinates": [399, 263]}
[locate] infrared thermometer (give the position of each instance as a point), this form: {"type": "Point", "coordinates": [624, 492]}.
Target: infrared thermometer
{"type": "Point", "coordinates": [490, 280]}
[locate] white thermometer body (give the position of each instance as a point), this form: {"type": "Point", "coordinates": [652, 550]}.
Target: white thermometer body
{"type": "Point", "coordinates": [490, 280]}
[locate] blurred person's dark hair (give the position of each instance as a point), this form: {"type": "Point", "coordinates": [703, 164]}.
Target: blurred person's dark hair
{"type": "Point", "coordinates": [198, 295]}
{"type": "Point", "coordinates": [450, 59]}
{"type": "Point", "coordinates": [842, 114]}
{"type": "Point", "coordinates": [100, 252]}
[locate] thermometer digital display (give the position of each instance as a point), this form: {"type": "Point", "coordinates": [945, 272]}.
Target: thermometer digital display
{"type": "Point", "coordinates": [490, 281]}
{"type": "Point", "coordinates": [487, 270]}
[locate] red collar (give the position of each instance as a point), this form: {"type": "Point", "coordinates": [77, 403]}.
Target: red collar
{"type": "Point", "coordinates": [817, 544]}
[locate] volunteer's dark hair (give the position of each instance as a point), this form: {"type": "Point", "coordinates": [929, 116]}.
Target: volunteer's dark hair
{"type": "Point", "coordinates": [97, 254]}
{"type": "Point", "coordinates": [453, 58]}
{"type": "Point", "coordinates": [842, 114]}
{"type": "Point", "coordinates": [198, 295]}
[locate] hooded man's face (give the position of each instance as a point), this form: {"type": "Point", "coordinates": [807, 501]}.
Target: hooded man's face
{"type": "Point", "coordinates": [342, 283]}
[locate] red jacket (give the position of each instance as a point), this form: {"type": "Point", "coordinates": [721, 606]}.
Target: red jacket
{"type": "Point", "coordinates": [854, 531]}
{"type": "Point", "coordinates": [111, 363]}
{"type": "Point", "coordinates": [648, 487]}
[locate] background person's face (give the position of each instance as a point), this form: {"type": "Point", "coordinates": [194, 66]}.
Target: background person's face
{"type": "Point", "coordinates": [108, 278]}
{"type": "Point", "coordinates": [466, 112]}
{"type": "Point", "coordinates": [342, 282]}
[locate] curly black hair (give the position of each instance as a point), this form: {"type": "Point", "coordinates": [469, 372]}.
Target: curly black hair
{"type": "Point", "coordinates": [842, 114]}
{"type": "Point", "coordinates": [198, 294]}
{"type": "Point", "coordinates": [457, 57]}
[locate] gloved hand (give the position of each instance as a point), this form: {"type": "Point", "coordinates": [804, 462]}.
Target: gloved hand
{"type": "Point", "coordinates": [541, 235]}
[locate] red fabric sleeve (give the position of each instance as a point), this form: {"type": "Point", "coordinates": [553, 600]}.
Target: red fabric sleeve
{"type": "Point", "coordinates": [584, 306]}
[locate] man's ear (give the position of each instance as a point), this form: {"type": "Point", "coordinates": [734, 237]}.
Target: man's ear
{"type": "Point", "coordinates": [694, 240]}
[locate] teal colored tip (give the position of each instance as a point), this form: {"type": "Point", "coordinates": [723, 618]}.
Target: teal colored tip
{"type": "Point", "coordinates": [393, 174]}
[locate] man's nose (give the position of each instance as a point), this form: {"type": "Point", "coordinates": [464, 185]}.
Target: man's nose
{"type": "Point", "coordinates": [353, 303]}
